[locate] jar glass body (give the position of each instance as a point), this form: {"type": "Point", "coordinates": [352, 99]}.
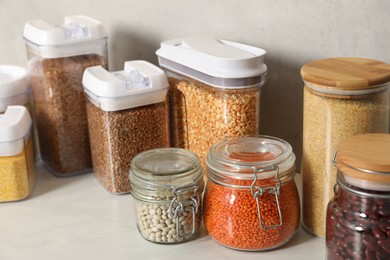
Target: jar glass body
{"type": "Point", "coordinates": [202, 114]}
{"type": "Point", "coordinates": [232, 219]}
{"type": "Point", "coordinates": [328, 119]}
{"type": "Point", "coordinates": [167, 194]}
{"type": "Point", "coordinates": [60, 105]}
{"type": "Point", "coordinates": [357, 223]}
{"type": "Point", "coordinates": [117, 136]}
{"type": "Point", "coordinates": [251, 201]}
{"type": "Point", "coordinates": [17, 173]}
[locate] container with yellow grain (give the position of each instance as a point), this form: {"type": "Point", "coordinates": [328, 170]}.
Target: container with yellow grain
{"type": "Point", "coordinates": [214, 90]}
{"type": "Point", "coordinates": [342, 97]}
{"type": "Point", "coordinates": [17, 177]}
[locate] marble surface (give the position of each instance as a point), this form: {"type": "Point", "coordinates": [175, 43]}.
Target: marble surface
{"type": "Point", "coordinates": [75, 218]}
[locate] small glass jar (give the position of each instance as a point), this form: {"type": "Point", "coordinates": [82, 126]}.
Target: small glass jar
{"type": "Point", "coordinates": [17, 175]}
{"type": "Point", "coordinates": [167, 186]}
{"type": "Point", "coordinates": [358, 217]}
{"type": "Point", "coordinates": [251, 201]}
{"type": "Point", "coordinates": [127, 114]}
{"type": "Point", "coordinates": [342, 97]}
{"type": "Point", "coordinates": [57, 57]}
{"type": "Point", "coordinates": [215, 88]}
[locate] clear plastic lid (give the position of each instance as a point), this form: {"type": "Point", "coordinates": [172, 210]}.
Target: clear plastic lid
{"type": "Point", "coordinates": [140, 83]}
{"type": "Point", "coordinates": [219, 63]}
{"type": "Point", "coordinates": [15, 124]}
{"type": "Point", "coordinates": [78, 35]}
{"type": "Point", "coordinates": [364, 161]}
{"type": "Point", "coordinates": [250, 157]}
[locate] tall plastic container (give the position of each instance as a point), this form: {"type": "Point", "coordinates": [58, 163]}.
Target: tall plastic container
{"type": "Point", "coordinates": [342, 97]}
{"type": "Point", "coordinates": [57, 57]}
{"type": "Point", "coordinates": [17, 176]}
{"type": "Point", "coordinates": [215, 88]}
{"type": "Point", "coordinates": [127, 114]}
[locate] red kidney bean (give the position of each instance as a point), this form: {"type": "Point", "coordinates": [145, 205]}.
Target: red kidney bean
{"type": "Point", "coordinates": [358, 227]}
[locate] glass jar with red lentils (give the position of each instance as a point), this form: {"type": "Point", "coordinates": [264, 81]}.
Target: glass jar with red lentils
{"type": "Point", "coordinates": [251, 202]}
{"type": "Point", "coordinates": [358, 217]}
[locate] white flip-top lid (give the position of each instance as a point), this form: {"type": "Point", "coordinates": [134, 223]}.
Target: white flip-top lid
{"type": "Point", "coordinates": [140, 83]}
{"type": "Point", "coordinates": [15, 86]}
{"type": "Point", "coordinates": [216, 62]}
{"type": "Point", "coordinates": [14, 80]}
{"type": "Point", "coordinates": [78, 33]}
{"type": "Point", "coordinates": [15, 124]}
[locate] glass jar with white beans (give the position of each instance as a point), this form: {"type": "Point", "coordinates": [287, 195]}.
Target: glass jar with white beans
{"type": "Point", "coordinates": [167, 185]}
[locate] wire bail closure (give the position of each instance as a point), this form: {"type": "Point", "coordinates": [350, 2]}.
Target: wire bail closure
{"type": "Point", "coordinates": [257, 191]}
{"type": "Point", "coordinates": [177, 207]}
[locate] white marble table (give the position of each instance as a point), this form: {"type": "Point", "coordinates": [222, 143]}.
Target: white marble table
{"type": "Point", "coordinates": [75, 218]}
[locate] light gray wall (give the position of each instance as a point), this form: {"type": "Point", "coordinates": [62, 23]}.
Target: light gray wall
{"type": "Point", "coordinates": [293, 32]}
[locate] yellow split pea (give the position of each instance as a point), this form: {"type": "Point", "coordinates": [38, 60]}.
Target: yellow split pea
{"type": "Point", "coordinates": [203, 115]}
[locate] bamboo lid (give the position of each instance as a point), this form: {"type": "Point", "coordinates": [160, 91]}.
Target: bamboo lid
{"type": "Point", "coordinates": [346, 73]}
{"type": "Point", "coordinates": [365, 157]}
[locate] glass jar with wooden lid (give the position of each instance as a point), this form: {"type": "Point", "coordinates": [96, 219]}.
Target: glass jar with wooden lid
{"type": "Point", "coordinates": [358, 216]}
{"type": "Point", "coordinates": [342, 97]}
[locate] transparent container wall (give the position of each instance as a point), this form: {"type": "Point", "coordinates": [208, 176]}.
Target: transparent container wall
{"type": "Point", "coordinates": [201, 115]}
{"type": "Point", "coordinates": [117, 136]}
{"type": "Point", "coordinates": [232, 220]}
{"type": "Point", "coordinates": [17, 173]}
{"type": "Point", "coordinates": [327, 121]}
{"type": "Point", "coordinates": [60, 105]}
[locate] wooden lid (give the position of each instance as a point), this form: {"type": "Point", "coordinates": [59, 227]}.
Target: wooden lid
{"type": "Point", "coordinates": [346, 73]}
{"type": "Point", "coordinates": [365, 157]}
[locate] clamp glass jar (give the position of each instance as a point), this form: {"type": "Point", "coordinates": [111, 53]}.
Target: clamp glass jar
{"type": "Point", "coordinates": [342, 97]}
{"type": "Point", "coordinates": [251, 201]}
{"type": "Point", "coordinates": [215, 90]}
{"type": "Point", "coordinates": [127, 114]}
{"type": "Point", "coordinates": [358, 217]}
{"type": "Point", "coordinates": [57, 58]}
{"type": "Point", "coordinates": [167, 185]}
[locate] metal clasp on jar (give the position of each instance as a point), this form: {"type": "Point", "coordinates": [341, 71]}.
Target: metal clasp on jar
{"type": "Point", "coordinates": [190, 204]}
{"type": "Point", "coordinates": [257, 191]}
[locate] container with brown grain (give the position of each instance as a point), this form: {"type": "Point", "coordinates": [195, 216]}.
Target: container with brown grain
{"type": "Point", "coordinates": [57, 58]}
{"type": "Point", "coordinates": [215, 88]}
{"type": "Point", "coordinates": [251, 200]}
{"type": "Point", "coordinates": [358, 217]}
{"type": "Point", "coordinates": [127, 114]}
{"type": "Point", "coordinates": [342, 97]}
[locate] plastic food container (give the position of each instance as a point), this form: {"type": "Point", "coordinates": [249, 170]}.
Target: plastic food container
{"type": "Point", "coordinates": [251, 201]}
{"type": "Point", "coordinates": [127, 114]}
{"type": "Point", "coordinates": [215, 90]}
{"type": "Point", "coordinates": [342, 97]}
{"type": "Point", "coordinates": [15, 89]}
{"type": "Point", "coordinates": [358, 217]}
{"type": "Point", "coordinates": [17, 176]}
{"type": "Point", "coordinates": [167, 186]}
{"type": "Point", "coordinates": [57, 57]}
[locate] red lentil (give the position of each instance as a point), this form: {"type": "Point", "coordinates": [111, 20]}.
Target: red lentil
{"type": "Point", "coordinates": [231, 212]}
